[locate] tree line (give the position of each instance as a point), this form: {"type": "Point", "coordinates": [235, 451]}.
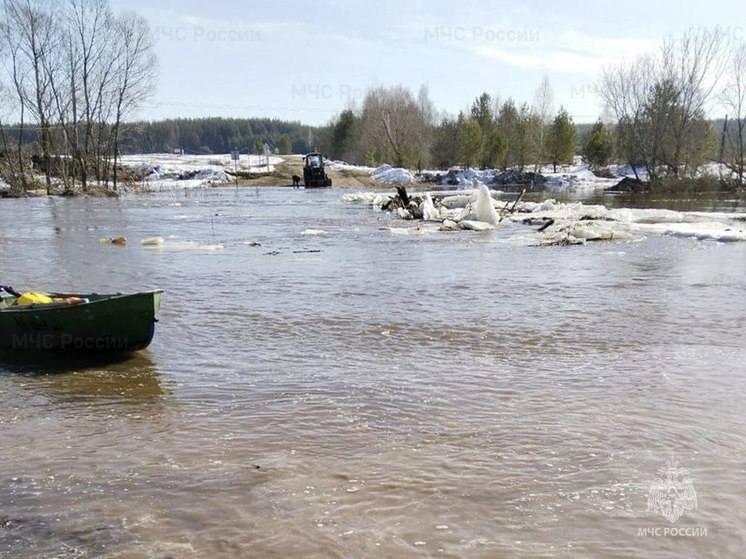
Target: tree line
{"type": "Point", "coordinates": [74, 71]}
{"type": "Point", "coordinates": [394, 126]}
{"type": "Point", "coordinates": [655, 121]}
{"type": "Point", "coordinates": [219, 135]}
{"type": "Point", "coordinates": [201, 136]}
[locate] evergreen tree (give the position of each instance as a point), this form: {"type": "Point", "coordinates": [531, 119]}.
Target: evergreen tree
{"type": "Point", "coordinates": [508, 124]}
{"type": "Point", "coordinates": [471, 142]}
{"type": "Point", "coordinates": [285, 145]}
{"type": "Point", "coordinates": [481, 111]}
{"type": "Point", "coordinates": [344, 137]}
{"type": "Point", "coordinates": [560, 139]}
{"type": "Point", "coordinates": [444, 152]}
{"type": "Point", "coordinates": [598, 145]}
{"type": "Point", "coordinates": [494, 148]}
{"type": "Point", "coordinates": [529, 137]}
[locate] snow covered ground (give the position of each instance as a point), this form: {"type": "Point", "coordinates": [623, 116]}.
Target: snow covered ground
{"type": "Point", "coordinates": [575, 177]}
{"type": "Point", "coordinates": [167, 171]}
{"type": "Point", "coordinates": [342, 166]}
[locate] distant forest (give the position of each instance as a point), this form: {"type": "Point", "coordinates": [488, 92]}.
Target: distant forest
{"type": "Point", "coordinates": [204, 136]}
{"type": "Point", "coordinates": [219, 135]}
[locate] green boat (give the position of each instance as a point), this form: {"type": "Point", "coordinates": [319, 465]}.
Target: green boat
{"type": "Point", "coordinates": [79, 322]}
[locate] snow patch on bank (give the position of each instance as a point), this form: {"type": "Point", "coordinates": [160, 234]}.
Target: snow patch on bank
{"type": "Point", "coordinates": [576, 177]}
{"type": "Point", "coordinates": [165, 171]}
{"type": "Point", "coordinates": [390, 175]}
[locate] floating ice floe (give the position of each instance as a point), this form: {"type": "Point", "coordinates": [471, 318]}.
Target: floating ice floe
{"type": "Point", "coordinates": [475, 225]}
{"type": "Point", "coordinates": [703, 231]}
{"type": "Point", "coordinates": [596, 231]}
{"type": "Point", "coordinates": [408, 231]}
{"type": "Point", "coordinates": [556, 223]}
{"type": "Point", "coordinates": [182, 245]}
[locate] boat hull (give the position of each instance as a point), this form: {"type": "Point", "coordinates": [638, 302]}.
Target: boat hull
{"type": "Point", "coordinates": [116, 323]}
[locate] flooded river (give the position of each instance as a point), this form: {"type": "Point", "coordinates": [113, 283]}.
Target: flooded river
{"type": "Point", "coordinates": [360, 394]}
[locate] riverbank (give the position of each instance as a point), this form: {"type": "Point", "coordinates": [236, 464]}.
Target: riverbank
{"type": "Point", "coordinates": [157, 172]}
{"type": "Point", "coordinates": [166, 171]}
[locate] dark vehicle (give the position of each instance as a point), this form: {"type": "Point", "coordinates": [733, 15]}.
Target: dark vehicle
{"type": "Point", "coordinates": [313, 171]}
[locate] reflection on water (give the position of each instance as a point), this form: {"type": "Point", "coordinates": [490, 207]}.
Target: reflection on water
{"type": "Point", "coordinates": [450, 395]}
{"type": "Point", "coordinates": [94, 375]}
{"type": "Point", "coordinates": [51, 362]}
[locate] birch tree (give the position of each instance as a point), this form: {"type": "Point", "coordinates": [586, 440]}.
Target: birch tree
{"type": "Point", "coordinates": [733, 98]}
{"type": "Point", "coordinates": [135, 73]}
{"type": "Point", "coordinates": [76, 71]}
{"type": "Point", "coordinates": [394, 128]}
{"type": "Point", "coordinates": [543, 107]}
{"type": "Point", "coordinates": [91, 31]}
{"type": "Point", "coordinates": [29, 31]}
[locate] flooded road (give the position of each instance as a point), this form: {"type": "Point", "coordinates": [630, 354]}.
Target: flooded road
{"type": "Point", "coordinates": [362, 394]}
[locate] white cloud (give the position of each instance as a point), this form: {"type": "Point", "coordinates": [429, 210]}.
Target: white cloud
{"type": "Point", "coordinates": [559, 61]}
{"type": "Point", "coordinates": [568, 51]}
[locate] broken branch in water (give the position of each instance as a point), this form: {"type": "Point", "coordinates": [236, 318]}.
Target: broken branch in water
{"type": "Point", "coordinates": [517, 200]}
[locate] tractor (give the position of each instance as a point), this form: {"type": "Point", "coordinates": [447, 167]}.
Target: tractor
{"type": "Point", "coordinates": [313, 171]}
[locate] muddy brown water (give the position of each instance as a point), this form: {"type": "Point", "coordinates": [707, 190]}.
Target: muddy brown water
{"type": "Point", "coordinates": [359, 394]}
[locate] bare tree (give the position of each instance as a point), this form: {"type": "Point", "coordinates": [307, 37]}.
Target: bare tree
{"type": "Point", "coordinates": [135, 74]}
{"type": "Point", "coordinates": [91, 31]}
{"type": "Point", "coordinates": [30, 33]}
{"type": "Point", "coordinates": [543, 108]}
{"type": "Point", "coordinates": [63, 70]}
{"type": "Point", "coordinates": [733, 98]}
{"type": "Point", "coordinates": [659, 103]}
{"type": "Point", "coordinates": [76, 71]}
{"type": "Point", "coordinates": [394, 128]}
{"type": "Point", "coordinates": [693, 65]}
{"type": "Point", "coordinates": [11, 164]}
{"type": "Point", "coordinates": [625, 89]}
{"type": "Point", "coordinates": [17, 76]}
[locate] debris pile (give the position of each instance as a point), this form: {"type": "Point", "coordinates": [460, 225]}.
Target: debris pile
{"type": "Point", "coordinates": [553, 223]}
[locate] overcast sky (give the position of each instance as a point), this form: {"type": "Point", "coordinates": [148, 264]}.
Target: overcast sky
{"type": "Point", "coordinates": [309, 60]}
